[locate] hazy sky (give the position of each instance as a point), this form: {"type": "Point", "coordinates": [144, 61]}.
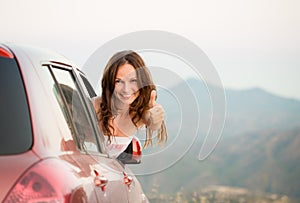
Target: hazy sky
{"type": "Point", "coordinates": [251, 43]}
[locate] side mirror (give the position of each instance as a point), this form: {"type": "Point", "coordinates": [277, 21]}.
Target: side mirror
{"type": "Point", "coordinates": [132, 154]}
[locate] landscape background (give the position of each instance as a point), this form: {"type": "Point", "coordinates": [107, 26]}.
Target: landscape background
{"type": "Point", "coordinates": [257, 158]}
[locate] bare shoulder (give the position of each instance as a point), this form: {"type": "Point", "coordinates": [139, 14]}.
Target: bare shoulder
{"type": "Point", "coordinates": [96, 102]}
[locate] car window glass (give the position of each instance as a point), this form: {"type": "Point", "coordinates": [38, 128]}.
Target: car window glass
{"type": "Point", "coordinates": [74, 110]}
{"type": "Point", "coordinates": [66, 139]}
{"type": "Point", "coordinates": [15, 127]}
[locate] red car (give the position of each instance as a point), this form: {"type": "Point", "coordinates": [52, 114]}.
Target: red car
{"type": "Point", "coordinates": [50, 146]}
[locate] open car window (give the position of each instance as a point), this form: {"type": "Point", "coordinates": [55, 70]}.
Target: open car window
{"type": "Point", "coordinates": [90, 93]}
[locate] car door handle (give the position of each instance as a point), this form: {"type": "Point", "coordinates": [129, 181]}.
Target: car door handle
{"type": "Point", "coordinates": [127, 179]}
{"type": "Point", "coordinates": [100, 181]}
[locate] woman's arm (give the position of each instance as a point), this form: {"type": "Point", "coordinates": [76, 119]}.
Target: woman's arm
{"type": "Point", "coordinates": [96, 103]}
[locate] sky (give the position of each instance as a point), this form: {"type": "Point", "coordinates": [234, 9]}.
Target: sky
{"type": "Point", "coordinates": [250, 43]}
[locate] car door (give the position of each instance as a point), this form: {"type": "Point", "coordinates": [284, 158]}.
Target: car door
{"type": "Point", "coordinates": [133, 187]}
{"type": "Point", "coordinates": [105, 174]}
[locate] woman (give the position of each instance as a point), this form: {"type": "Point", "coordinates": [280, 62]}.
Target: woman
{"type": "Point", "coordinates": [128, 103]}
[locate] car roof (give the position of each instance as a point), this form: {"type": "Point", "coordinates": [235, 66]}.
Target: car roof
{"type": "Point", "coordinates": [37, 53]}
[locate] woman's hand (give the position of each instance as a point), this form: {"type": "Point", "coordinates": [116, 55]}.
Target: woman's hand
{"type": "Point", "coordinates": [155, 115]}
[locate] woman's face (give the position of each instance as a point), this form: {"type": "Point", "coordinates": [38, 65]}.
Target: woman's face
{"type": "Point", "coordinates": [126, 85]}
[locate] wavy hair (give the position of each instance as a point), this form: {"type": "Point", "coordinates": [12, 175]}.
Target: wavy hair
{"type": "Point", "coordinates": [107, 110]}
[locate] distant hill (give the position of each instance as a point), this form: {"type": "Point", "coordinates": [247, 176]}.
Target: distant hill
{"type": "Point", "coordinates": [255, 109]}
{"type": "Point", "coordinates": [259, 149]}
{"type": "Point", "coordinates": [251, 110]}
{"type": "Point", "coordinates": [266, 162]}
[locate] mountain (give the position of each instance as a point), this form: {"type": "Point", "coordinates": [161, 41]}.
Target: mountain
{"type": "Point", "coordinates": [255, 109]}
{"type": "Point", "coordinates": [258, 150]}
{"type": "Point", "coordinates": [263, 163]}
{"type": "Point", "coordinates": [251, 109]}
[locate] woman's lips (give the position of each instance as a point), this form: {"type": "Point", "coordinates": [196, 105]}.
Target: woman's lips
{"type": "Point", "coordinates": [126, 96]}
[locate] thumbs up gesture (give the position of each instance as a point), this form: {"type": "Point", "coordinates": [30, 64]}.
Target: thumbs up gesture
{"type": "Point", "coordinates": [155, 115]}
{"type": "Point", "coordinates": [152, 101]}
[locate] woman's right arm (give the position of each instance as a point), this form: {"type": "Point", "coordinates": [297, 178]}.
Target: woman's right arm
{"type": "Point", "coordinates": [96, 103]}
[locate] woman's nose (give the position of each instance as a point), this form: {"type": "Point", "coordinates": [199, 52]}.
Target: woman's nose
{"type": "Point", "coordinates": [126, 86]}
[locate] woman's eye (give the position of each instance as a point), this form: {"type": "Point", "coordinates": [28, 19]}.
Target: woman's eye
{"type": "Point", "coordinates": [133, 80]}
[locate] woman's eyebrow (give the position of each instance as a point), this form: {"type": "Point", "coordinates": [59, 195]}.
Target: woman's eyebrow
{"type": "Point", "coordinates": [133, 77]}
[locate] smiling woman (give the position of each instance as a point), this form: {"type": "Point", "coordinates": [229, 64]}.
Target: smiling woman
{"type": "Point", "coordinates": [128, 103]}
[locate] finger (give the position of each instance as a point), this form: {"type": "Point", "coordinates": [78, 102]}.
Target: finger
{"type": "Point", "coordinates": [157, 109]}
{"type": "Point", "coordinates": [157, 118]}
{"type": "Point", "coordinates": [152, 98]}
{"type": "Point", "coordinates": [157, 113]}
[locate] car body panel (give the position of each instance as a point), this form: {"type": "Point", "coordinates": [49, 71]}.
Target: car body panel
{"type": "Point", "coordinates": [54, 141]}
{"type": "Point", "coordinates": [12, 167]}
{"type": "Point", "coordinates": [47, 122]}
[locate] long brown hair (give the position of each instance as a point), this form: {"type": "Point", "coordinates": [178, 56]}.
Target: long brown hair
{"type": "Point", "coordinates": [137, 108]}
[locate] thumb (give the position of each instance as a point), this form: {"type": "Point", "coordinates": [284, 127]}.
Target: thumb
{"type": "Point", "coordinates": [152, 98]}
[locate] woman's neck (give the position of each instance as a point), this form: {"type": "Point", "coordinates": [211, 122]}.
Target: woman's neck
{"type": "Point", "coordinates": [123, 113]}
{"type": "Point", "coordinates": [122, 110]}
